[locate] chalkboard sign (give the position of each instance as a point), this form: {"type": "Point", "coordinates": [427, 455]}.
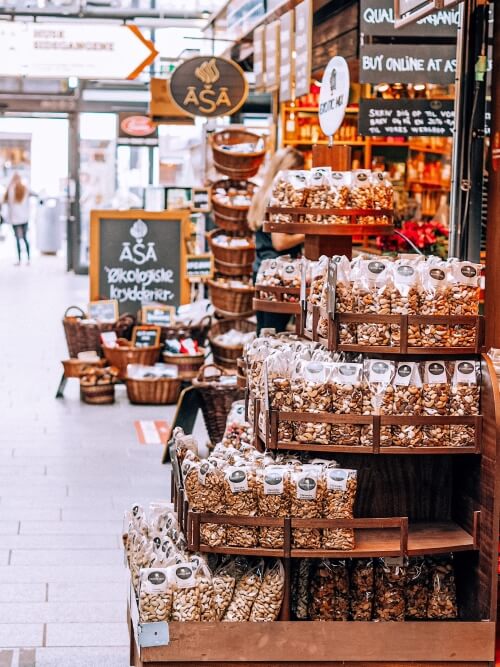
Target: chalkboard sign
{"type": "Point", "coordinates": [406, 118]}
{"type": "Point", "coordinates": [103, 311]}
{"type": "Point", "coordinates": [139, 257]}
{"type": "Point", "coordinates": [377, 19]}
{"type": "Point", "coordinates": [400, 63]}
{"type": "Point", "coordinates": [200, 200]}
{"type": "Point", "coordinates": [158, 315]}
{"type": "Point", "coordinates": [199, 266]}
{"type": "Point", "coordinates": [303, 47]}
{"type": "Point", "coordinates": [146, 336]}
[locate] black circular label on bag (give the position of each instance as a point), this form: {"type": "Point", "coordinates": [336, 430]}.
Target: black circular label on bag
{"type": "Point", "coordinates": [376, 267]}
{"type": "Point", "coordinates": [237, 476]}
{"type": "Point", "coordinates": [307, 484]}
{"type": "Point", "coordinates": [290, 268]}
{"type": "Point", "coordinates": [404, 371]}
{"type": "Point", "coordinates": [437, 274]}
{"type": "Point", "coordinates": [336, 175]}
{"type": "Point", "coordinates": [380, 367]}
{"type": "Point", "coordinates": [466, 367]}
{"type": "Point", "coordinates": [337, 475]}
{"type": "Point", "coordinates": [156, 578]}
{"type": "Point", "coordinates": [361, 177]}
{"type": "Point", "coordinates": [347, 370]}
{"type": "Point", "coordinates": [183, 573]}
{"type": "Point", "coordinates": [468, 271]}
{"type": "Point", "coordinates": [405, 270]}
{"type": "Point", "coordinates": [157, 542]}
{"type": "Point", "coordinates": [204, 468]}
{"type": "Point", "coordinates": [436, 369]}
{"type": "Point", "coordinates": [274, 478]}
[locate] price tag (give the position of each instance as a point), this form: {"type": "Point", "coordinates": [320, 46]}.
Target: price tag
{"type": "Point", "coordinates": [146, 336]}
{"type": "Point", "coordinates": [199, 267]}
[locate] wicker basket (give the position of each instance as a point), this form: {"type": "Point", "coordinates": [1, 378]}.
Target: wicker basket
{"type": "Point", "coordinates": [231, 301]}
{"type": "Point", "coordinates": [153, 391]}
{"type": "Point", "coordinates": [233, 256]}
{"type": "Point", "coordinates": [234, 270]}
{"type": "Point", "coordinates": [73, 367]}
{"type": "Point", "coordinates": [188, 365]}
{"type": "Point", "coordinates": [121, 357]}
{"type": "Point", "coordinates": [231, 218]}
{"type": "Point", "coordinates": [82, 337]}
{"type": "Point", "coordinates": [197, 331]}
{"type": "Point", "coordinates": [216, 400]}
{"type": "Point", "coordinates": [227, 356]}
{"type": "Point", "coordinates": [236, 165]}
{"type": "Point", "coordinates": [97, 394]}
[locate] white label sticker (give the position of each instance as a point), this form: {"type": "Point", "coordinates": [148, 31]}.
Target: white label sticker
{"type": "Point", "coordinates": [336, 479]}
{"type": "Point", "coordinates": [274, 481]}
{"type": "Point", "coordinates": [435, 372]}
{"type": "Point", "coordinates": [237, 479]}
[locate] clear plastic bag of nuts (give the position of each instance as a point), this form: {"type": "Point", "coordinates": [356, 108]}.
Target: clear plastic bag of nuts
{"type": "Point", "coordinates": [372, 294]}
{"type": "Point", "coordinates": [267, 604]}
{"type": "Point", "coordinates": [361, 194]}
{"type": "Point", "coordinates": [240, 499]}
{"type": "Point", "coordinates": [408, 402]}
{"type": "Point", "coordinates": [302, 572]}
{"type": "Point", "coordinates": [405, 298]}
{"type": "Point", "coordinates": [344, 299]}
{"type": "Point", "coordinates": [330, 592]}
{"type": "Point", "coordinates": [306, 503]}
{"type": "Point", "coordinates": [464, 280]}
{"type": "Point", "coordinates": [383, 195]}
{"type": "Point", "coordinates": [277, 371]}
{"type": "Point", "coordinates": [247, 588]}
{"type": "Point", "coordinates": [433, 301]}
{"type": "Point", "coordinates": [204, 485]}
{"type": "Point", "coordinates": [289, 191]}
{"type": "Point", "coordinates": [346, 383]}
{"type": "Point", "coordinates": [290, 276]}
{"type": "Point", "coordinates": [274, 493]}
{"type": "Point", "coordinates": [224, 582]}
{"type": "Point", "coordinates": [268, 275]}
{"type": "Point", "coordinates": [390, 581]}
{"type": "Point", "coordinates": [417, 588]}
{"type": "Point", "coordinates": [464, 400]}
{"type": "Point", "coordinates": [442, 602]}
{"type": "Point", "coordinates": [311, 393]}
{"type": "Point", "coordinates": [328, 189]}
{"type": "Point", "coordinates": [318, 295]}
{"type": "Point", "coordinates": [206, 589]}
{"type": "Point", "coordinates": [339, 495]}
{"type": "Point", "coordinates": [435, 402]}
{"type": "Point", "coordinates": [378, 393]}
{"type": "Point", "coordinates": [362, 589]}
{"type": "Point", "coordinates": [155, 595]}
{"type": "Point", "coordinates": [185, 592]}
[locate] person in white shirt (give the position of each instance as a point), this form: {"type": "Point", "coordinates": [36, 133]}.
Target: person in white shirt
{"type": "Point", "coordinates": [17, 199]}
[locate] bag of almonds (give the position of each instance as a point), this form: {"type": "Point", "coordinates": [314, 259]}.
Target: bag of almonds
{"type": "Point", "coordinates": [464, 400]}
{"type": "Point", "coordinates": [372, 294]}
{"type": "Point", "coordinates": [442, 602]}
{"type": "Point", "coordinates": [361, 194]}
{"type": "Point", "coordinates": [289, 191]}
{"type": "Point", "coordinates": [417, 588]}
{"type": "Point", "coordinates": [311, 393]}
{"type": "Point", "coordinates": [330, 592]}
{"type": "Point", "coordinates": [206, 589]}
{"type": "Point", "coordinates": [155, 595]}
{"type": "Point", "coordinates": [346, 382]}
{"type": "Point", "coordinates": [240, 499]}
{"type": "Point", "coordinates": [390, 581]}
{"type": "Point", "coordinates": [378, 393]}
{"type": "Point", "coordinates": [306, 503]}
{"type": "Point", "coordinates": [407, 401]}
{"type": "Point", "coordinates": [464, 278]}
{"type": "Point", "coordinates": [435, 401]}
{"type": "Point", "coordinates": [274, 493]}
{"type": "Point", "coordinates": [247, 589]}
{"type": "Point", "coordinates": [277, 370]}
{"type": "Point", "coordinates": [223, 582]}
{"type": "Point", "coordinates": [204, 485]}
{"type": "Point", "coordinates": [339, 495]}
{"type": "Point", "coordinates": [269, 599]}
{"type": "Point", "coordinates": [405, 298]}
{"type": "Point", "coordinates": [383, 194]}
{"type": "Point", "coordinates": [433, 301]}
{"type": "Point", "coordinates": [185, 592]}
{"type": "Point", "coordinates": [302, 571]}
{"type": "Point", "coordinates": [362, 583]}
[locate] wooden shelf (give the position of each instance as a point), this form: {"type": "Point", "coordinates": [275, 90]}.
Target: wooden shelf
{"type": "Point", "coordinates": [284, 307]}
{"type": "Point", "coordinates": [402, 451]}
{"type": "Point", "coordinates": [390, 144]}
{"type": "Point", "coordinates": [434, 151]}
{"type": "Point", "coordinates": [434, 185]}
{"type": "Point", "coordinates": [320, 142]}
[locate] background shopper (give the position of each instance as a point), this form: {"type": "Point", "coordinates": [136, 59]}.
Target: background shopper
{"type": "Point", "coordinates": [17, 199]}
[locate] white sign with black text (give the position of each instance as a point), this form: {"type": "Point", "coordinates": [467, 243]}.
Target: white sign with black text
{"type": "Point", "coordinates": [334, 95]}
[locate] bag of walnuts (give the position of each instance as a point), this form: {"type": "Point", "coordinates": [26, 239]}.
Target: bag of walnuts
{"type": "Point", "coordinates": [390, 582]}
{"type": "Point", "coordinates": [464, 400]}
{"type": "Point", "coordinates": [362, 589]}
{"type": "Point", "coordinates": [204, 484]}
{"type": "Point", "coordinates": [311, 393]}
{"type": "Point", "coordinates": [464, 278]}
{"type": "Point", "coordinates": [277, 369]}
{"type": "Point", "coordinates": [372, 294]}
{"type": "Point", "coordinates": [378, 392]}
{"type": "Point", "coordinates": [346, 382]}
{"type": "Point", "coordinates": [339, 495]}
{"type": "Point", "coordinates": [405, 298]}
{"type": "Point", "coordinates": [240, 499]}
{"type": "Point", "coordinates": [330, 592]}
{"type": "Point", "coordinates": [274, 490]}
{"type": "Point", "coordinates": [442, 602]}
{"type": "Point", "coordinates": [306, 503]}
{"type": "Point", "coordinates": [433, 301]}
{"type": "Point", "coordinates": [417, 588]}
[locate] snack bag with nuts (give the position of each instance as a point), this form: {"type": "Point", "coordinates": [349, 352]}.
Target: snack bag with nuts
{"type": "Point", "coordinates": [306, 503]}
{"type": "Point", "coordinates": [269, 599]}
{"type": "Point", "coordinates": [338, 503]}
{"type": "Point", "coordinates": [139, 558]}
{"type": "Point", "coordinates": [311, 393]}
{"type": "Point", "coordinates": [344, 299]}
{"type": "Point", "coordinates": [289, 191]}
{"type": "Point", "coordinates": [273, 492]}
{"type": "Point", "coordinates": [155, 595]}
{"type": "Point", "coordinates": [330, 592]}
{"type": "Point", "coordinates": [338, 196]}
{"type": "Point", "coordinates": [245, 593]}
{"type": "Point", "coordinates": [465, 280]}
{"type": "Point", "coordinates": [436, 396]}
{"type": "Point", "coordinates": [206, 589]}
{"type": "Point", "coordinates": [279, 387]}
{"type": "Point", "coordinates": [301, 588]}
{"type": "Point", "coordinates": [347, 399]}
{"type": "Point", "coordinates": [390, 581]}
{"type": "Point", "coordinates": [383, 195]}
{"type": "Point", "coordinates": [240, 494]}
{"type": "Point", "coordinates": [362, 582]}
{"type": "Point", "coordinates": [238, 431]}
{"type": "Point", "coordinates": [417, 588]}
{"type": "Point", "coordinates": [408, 400]}
{"type": "Point", "coordinates": [361, 195]}
{"type": "Point", "coordinates": [318, 193]}
{"type": "Point", "coordinates": [268, 275]}
{"type": "Point", "coordinates": [186, 592]}
{"type": "Point", "coordinates": [464, 400]}
{"type": "Point", "coordinates": [378, 393]}
{"type": "Point", "coordinates": [203, 482]}
{"type": "Point", "coordinates": [372, 294]}
{"type": "Point", "coordinates": [442, 595]}
{"type": "Point", "coordinates": [290, 276]}
{"type": "Point", "coordinates": [433, 301]}
{"type": "Point", "coordinates": [405, 298]}
{"type": "Point", "coordinates": [341, 586]}
{"type": "Point", "coordinates": [224, 582]}
{"type": "Point", "coordinates": [318, 295]}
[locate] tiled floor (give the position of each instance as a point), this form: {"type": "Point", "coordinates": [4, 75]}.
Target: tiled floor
{"type": "Point", "coordinates": [67, 472]}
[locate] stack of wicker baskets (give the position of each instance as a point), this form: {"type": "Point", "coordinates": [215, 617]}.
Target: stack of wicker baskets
{"type": "Point", "coordinates": [226, 356]}
{"type": "Point", "coordinates": [84, 336]}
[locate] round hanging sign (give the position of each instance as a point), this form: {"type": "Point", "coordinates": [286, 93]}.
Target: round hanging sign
{"type": "Point", "coordinates": [334, 95]}
{"type": "Point", "coordinates": [207, 86]}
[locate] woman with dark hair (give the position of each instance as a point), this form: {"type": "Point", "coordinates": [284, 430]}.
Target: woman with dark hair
{"type": "Point", "coordinates": [269, 246]}
{"type": "Point", "coordinates": [17, 199]}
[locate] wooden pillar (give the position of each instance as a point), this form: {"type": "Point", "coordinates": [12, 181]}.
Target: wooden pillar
{"type": "Point", "coordinates": [492, 294]}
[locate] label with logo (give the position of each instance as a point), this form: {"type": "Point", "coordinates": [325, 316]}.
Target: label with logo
{"type": "Point", "coordinates": [299, 179]}
{"type": "Point", "coordinates": [184, 574]}
{"type": "Point", "coordinates": [380, 371]}
{"type": "Point", "coordinates": [274, 477]}
{"type": "Point", "coordinates": [202, 472]}
{"type": "Point", "coordinates": [465, 372]}
{"type": "Point", "coordinates": [320, 176]}
{"type": "Point", "coordinates": [361, 178]}
{"type": "Point", "coordinates": [237, 479]}
{"type": "Point", "coordinates": [396, 561]}
{"type": "Point", "coordinates": [376, 267]}
{"type": "Point", "coordinates": [437, 277]}
{"type": "Point", "coordinates": [154, 580]}
{"type": "Point", "coordinates": [466, 273]}
{"type": "Point", "coordinates": [307, 484]}
{"type": "Point", "coordinates": [405, 274]}
{"type": "Point", "coordinates": [315, 372]}
{"type": "Point", "coordinates": [435, 372]}
{"type": "Point", "coordinates": [336, 479]}
{"type": "Point", "coordinates": [349, 373]}
{"type": "Point", "coordinates": [404, 373]}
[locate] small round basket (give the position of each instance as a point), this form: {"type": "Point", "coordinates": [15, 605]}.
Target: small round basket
{"type": "Point", "coordinates": [82, 336]}
{"type": "Point", "coordinates": [196, 330]}
{"type": "Point", "coordinates": [97, 385]}
{"type": "Point", "coordinates": [188, 365]}
{"type": "Point", "coordinates": [234, 270]}
{"type": "Point", "coordinates": [231, 301]}
{"type": "Point", "coordinates": [73, 368]}
{"type": "Point", "coordinates": [232, 163]}
{"type": "Point", "coordinates": [121, 357]}
{"type": "Point", "coordinates": [231, 218]}
{"type": "Point", "coordinates": [153, 391]}
{"type": "Point", "coordinates": [230, 255]}
{"type": "Point", "coordinates": [226, 356]}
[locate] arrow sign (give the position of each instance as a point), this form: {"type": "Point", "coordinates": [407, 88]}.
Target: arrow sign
{"type": "Point", "coordinates": [73, 49]}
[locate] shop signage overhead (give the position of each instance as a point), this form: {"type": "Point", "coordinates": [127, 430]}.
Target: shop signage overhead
{"type": "Point", "coordinates": [377, 19]}
{"type": "Point", "coordinates": [73, 49]}
{"type": "Point", "coordinates": [162, 109]}
{"type": "Point", "coordinates": [406, 118]}
{"type": "Point", "coordinates": [138, 257]}
{"type": "Point", "coordinates": [258, 57]}
{"type": "Point", "coordinates": [391, 63]}
{"type": "Point", "coordinates": [409, 11]}
{"type": "Point", "coordinates": [272, 50]}
{"type": "Point", "coordinates": [333, 95]}
{"type": "Point", "coordinates": [303, 47]}
{"type": "Point", "coordinates": [207, 86]}
{"type": "Point", "coordinates": [136, 129]}
{"type": "Point", "coordinates": [287, 61]}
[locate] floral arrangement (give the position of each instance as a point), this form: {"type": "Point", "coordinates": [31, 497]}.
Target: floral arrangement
{"type": "Point", "coordinates": [431, 237]}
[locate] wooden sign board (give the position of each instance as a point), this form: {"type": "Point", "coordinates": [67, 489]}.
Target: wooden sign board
{"type": "Point", "coordinates": [104, 311]}
{"type": "Point", "coordinates": [407, 12]}
{"type": "Point", "coordinates": [200, 267]}
{"type": "Point", "coordinates": [139, 257]}
{"type": "Point", "coordinates": [287, 61]}
{"type": "Point", "coordinates": [259, 51]}
{"type": "Point", "coordinates": [272, 50]}
{"type": "Point", "coordinates": [303, 47]}
{"type": "Point", "coordinates": [377, 19]}
{"type": "Point", "coordinates": [161, 108]}
{"type": "Point", "coordinates": [200, 200]}
{"type": "Point", "coordinates": [158, 315]}
{"type": "Point", "coordinates": [399, 63]}
{"type": "Point", "coordinates": [406, 118]}
{"type": "Point", "coordinates": [146, 336]}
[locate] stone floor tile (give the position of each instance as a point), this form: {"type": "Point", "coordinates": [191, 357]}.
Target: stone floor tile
{"type": "Point", "coordinates": [23, 592]}
{"type": "Point", "coordinates": [70, 527]}
{"type": "Point", "coordinates": [63, 612]}
{"type": "Point", "coordinates": [87, 634]}
{"type": "Point", "coordinates": [63, 542]}
{"type": "Point", "coordinates": [33, 514]}
{"type": "Point", "coordinates": [89, 592]}
{"type": "Point", "coordinates": [38, 557]}
{"type": "Point", "coordinates": [9, 527]}
{"type": "Point", "coordinates": [21, 634]}
{"type": "Point", "coordinates": [11, 574]}
{"type": "Point", "coordinates": [83, 657]}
